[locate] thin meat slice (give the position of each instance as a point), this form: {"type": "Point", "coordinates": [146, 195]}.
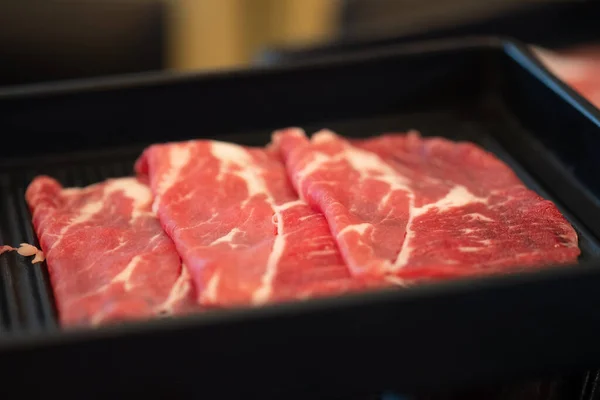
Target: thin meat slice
{"type": "Point", "coordinates": [462, 211]}
{"type": "Point", "coordinates": [578, 67]}
{"type": "Point", "coordinates": [26, 250]}
{"type": "Point", "coordinates": [6, 248]}
{"type": "Point", "coordinates": [470, 212]}
{"type": "Point", "coordinates": [107, 255]}
{"type": "Point", "coordinates": [239, 226]}
{"type": "Point", "coordinates": [364, 200]}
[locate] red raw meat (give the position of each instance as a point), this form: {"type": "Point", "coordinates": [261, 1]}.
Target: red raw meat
{"type": "Point", "coordinates": [424, 208]}
{"type": "Point", "coordinates": [578, 67]}
{"type": "Point", "coordinates": [4, 249]}
{"type": "Point", "coordinates": [107, 255]}
{"type": "Point", "coordinates": [26, 249]}
{"type": "Point", "coordinates": [240, 227]}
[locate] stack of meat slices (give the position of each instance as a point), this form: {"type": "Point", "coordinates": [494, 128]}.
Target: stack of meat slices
{"type": "Point", "coordinates": [214, 224]}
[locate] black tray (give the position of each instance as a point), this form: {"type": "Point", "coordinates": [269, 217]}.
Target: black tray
{"type": "Point", "coordinates": [436, 337]}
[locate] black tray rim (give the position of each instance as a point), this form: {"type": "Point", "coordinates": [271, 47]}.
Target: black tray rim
{"type": "Point", "coordinates": [151, 78]}
{"type": "Point", "coordinates": [520, 52]}
{"type": "Point", "coordinates": [167, 77]}
{"type": "Point", "coordinates": [38, 340]}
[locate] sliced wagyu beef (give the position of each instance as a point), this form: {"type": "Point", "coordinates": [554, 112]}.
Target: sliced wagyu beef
{"type": "Point", "coordinates": [213, 224]}
{"type": "Point", "coordinates": [420, 208]}
{"type": "Point", "coordinates": [107, 254]}
{"type": "Point", "coordinates": [239, 225]}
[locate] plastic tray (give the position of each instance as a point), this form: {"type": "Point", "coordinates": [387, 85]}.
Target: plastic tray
{"type": "Point", "coordinates": [437, 337]}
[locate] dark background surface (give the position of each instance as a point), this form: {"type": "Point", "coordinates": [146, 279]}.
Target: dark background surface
{"type": "Point", "coordinates": [47, 40]}
{"type": "Point", "coordinates": [553, 25]}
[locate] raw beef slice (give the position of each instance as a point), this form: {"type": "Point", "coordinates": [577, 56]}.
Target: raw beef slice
{"type": "Point", "coordinates": [578, 67]}
{"type": "Point", "coordinates": [421, 208]}
{"type": "Point", "coordinates": [239, 226]}
{"type": "Point", "coordinates": [107, 255]}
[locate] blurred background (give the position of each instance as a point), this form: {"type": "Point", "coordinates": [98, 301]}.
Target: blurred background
{"type": "Point", "coordinates": [43, 40]}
